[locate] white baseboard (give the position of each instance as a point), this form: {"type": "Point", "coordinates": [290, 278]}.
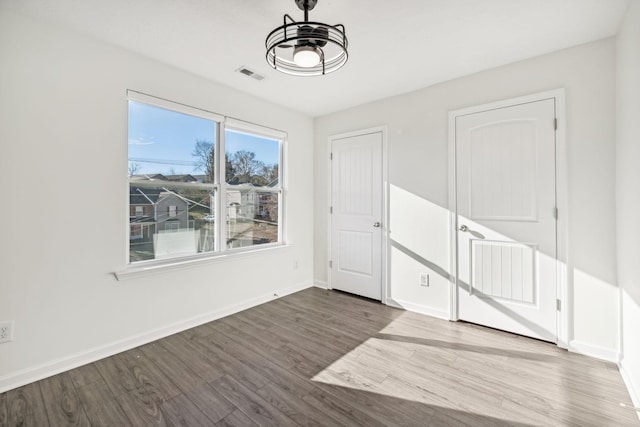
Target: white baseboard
{"type": "Point", "coordinates": [633, 388]}
{"type": "Point", "coordinates": [596, 351]}
{"type": "Point", "coordinates": [418, 308]}
{"type": "Point", "coordinates": [36, 373]}
{"type": "Point", "coordinates": [321, 284]}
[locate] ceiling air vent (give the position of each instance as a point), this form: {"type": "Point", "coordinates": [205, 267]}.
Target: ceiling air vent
{"type": "Point", "coordinates": [247, 72]}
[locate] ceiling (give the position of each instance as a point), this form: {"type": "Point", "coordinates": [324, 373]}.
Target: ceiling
{"type": "Point", "coordinates": [394, 46]}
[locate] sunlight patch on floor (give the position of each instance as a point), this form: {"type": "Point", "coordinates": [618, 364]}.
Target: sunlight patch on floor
{"type": "Point", "coordinates": [407, 367]}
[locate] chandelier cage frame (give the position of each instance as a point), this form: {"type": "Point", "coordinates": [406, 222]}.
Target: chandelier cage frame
{"type": "Point", "coordinates": [329, 40]}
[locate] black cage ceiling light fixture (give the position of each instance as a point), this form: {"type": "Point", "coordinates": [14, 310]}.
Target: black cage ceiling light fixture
{"type": "Point", "coordinates": [307, 48]}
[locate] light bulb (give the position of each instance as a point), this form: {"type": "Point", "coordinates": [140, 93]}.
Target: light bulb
{"type": "Point", "coordinates": [306, 56]}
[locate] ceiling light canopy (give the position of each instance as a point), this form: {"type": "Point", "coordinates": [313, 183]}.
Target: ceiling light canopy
{"type": "Point", "coordinates": [307, 48]}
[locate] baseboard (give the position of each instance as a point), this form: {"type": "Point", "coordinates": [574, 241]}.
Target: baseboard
{"type": "Point", "coordinates": [634, 389]}
{"type": "Point", "coordinates": [596, 351]}
{"type": "Point", "coordinates": [320, 284]}
{"type": "Point", "coordinates": [418, 308]}
{"type": "Point", "coordinates": [26, 376]}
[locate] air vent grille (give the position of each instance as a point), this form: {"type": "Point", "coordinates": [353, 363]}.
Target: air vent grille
{"type": "Point", "coordinates": [247, 72]}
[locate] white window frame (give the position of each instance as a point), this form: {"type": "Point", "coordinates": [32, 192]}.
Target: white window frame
{"type": "Point", "coordinates": [219, 187]}
{"type": "Point", "coordinates": [240, 126]}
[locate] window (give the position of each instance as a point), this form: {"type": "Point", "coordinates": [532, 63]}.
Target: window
{"type": "Point", "coordinates": [137, 232]}
{"type": "Point", "coordinates": [200, 183]}
{"type": "Point", "coordinates": [171, 226]}
{"type": "Point", "coordinates": [253, 188]}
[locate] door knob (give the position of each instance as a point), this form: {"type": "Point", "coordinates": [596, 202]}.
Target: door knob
{"type": "Point", "coordinates": [463, 228]}
{"type": "Point", "coordinates": [376, 224]}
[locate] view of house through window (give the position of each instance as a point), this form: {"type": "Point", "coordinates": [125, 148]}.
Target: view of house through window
{"type": "Point", "coordinates": [183, 200]}
{"type": "Point", "coordinates": [253, 188]}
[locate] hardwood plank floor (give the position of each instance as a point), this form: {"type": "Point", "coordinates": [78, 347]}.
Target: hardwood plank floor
{"type": "Point", "coordinates": [321, 357]}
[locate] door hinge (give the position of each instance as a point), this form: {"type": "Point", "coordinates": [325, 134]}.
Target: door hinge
{"type": "Point", "coordinates": [330, 209]}
{"type": "Point", "coordinates": [330, 156]}
{"type": "Point", "coordinates": [330, 264]}
{"type": "Point", "coordinates": [555, 213]}
{"type": "Point", "coordinates": [558, 305]}
{"type": "Point", "coordinates": [555, 124]}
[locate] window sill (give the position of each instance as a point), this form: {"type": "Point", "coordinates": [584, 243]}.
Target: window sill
{"type": "Point", "coordinates": [136, 271]}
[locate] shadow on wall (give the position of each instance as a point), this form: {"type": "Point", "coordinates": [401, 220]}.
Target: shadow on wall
{"type": "Point", "coordinates": [419, 236]}
{"type": "Point", "coordinates": [466, 288]}
{"type": "Point", "coordinates": [443, 272]}
{"type": "Point", "coordinates": [420, 242]}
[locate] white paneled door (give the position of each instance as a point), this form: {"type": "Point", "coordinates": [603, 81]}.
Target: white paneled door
{"type": "Point", "coordinates": [356, 214]}
{"type": "Point", "coordinates": [506, 200]}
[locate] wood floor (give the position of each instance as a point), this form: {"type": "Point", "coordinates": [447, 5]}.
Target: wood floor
{"type": "Point", "coordinates": [326, 358]}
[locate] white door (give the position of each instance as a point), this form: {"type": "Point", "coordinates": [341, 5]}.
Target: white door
{"type": "Point", "coordinates": [506, 200]}
{"type": "Point", "coordinates": [356, 215]}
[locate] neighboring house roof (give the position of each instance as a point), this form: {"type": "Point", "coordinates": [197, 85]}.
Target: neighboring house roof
{"type": "Point", "coordinates": [144, 196]}
{"type": "Point", "coordinates": [185, 177]}
{"type": "Point", "coordinates": [169, 195]}
{"type": "Point", "coordinates": [151, 197]}
{"type": "Point", "coordinates": [141, 220]}
{"type": "Point", "coordinates": [145, 177]}
{"type": "Point", "coordinates": [181, 178]}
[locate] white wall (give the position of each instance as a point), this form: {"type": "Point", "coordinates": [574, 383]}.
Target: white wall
{"type": "Point", "coordinates": [628, 193]}
{"type": "Point", "coordinates": [63, 169]}
{"type": "Point", "coordinates": [418, 164]}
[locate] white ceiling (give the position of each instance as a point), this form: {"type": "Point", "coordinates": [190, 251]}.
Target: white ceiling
{"type": "Point", "coordinates": [394, 46]}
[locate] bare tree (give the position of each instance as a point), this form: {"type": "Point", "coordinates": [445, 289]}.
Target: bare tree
{"type": "Point", "coordinates": [229, 170]}
{"type": "Point", "coordinates": [245, 166]}
{"type": "Point", "coordinates": [205, 158]}
{"type": "Point", "coordinates": [271, 173]}
{"type": "Point", "coordinates": [133, 168]}
{"type": "Point", "coordinates": [265, 174]}
{"type": "Point", "coordinates": [248, 169]}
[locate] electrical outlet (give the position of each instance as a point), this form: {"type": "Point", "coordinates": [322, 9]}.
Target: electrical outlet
{"type": "Point", "coordinates": [424, 279]}
{"type": "Point", "coordinates": [6, 331]}
{"type": "Point", "coordinates": [295, 264]}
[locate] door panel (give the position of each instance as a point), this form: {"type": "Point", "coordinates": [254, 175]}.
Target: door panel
{"type": "Point", "coordinates": [355, 252]}
{"type": "Point", "coordinates": [356, 232]}
{"type": "Point", "coordinates": [354, 160]}
{"type": "Point", "coordinates": [503, 270]}
{"type": "Point", "coordinates": [505, 186]}
{"type": "Point", "coordinates": [502, 171]}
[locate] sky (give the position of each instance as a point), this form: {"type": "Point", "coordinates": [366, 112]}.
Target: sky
{"type": "Point", "coordinates": [162, 141]}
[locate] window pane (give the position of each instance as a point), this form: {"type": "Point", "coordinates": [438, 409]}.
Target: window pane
{"type": "Point", "coordinates": [168, 222]}
{"type": "Point", "coordinates": [169, 145]}
{"type": "Point", "coordinates": [252, 217]}
{"type": "Point", "coordinates": [251, 159]}
{"type": "Point", "coordinates": [174, 184]}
